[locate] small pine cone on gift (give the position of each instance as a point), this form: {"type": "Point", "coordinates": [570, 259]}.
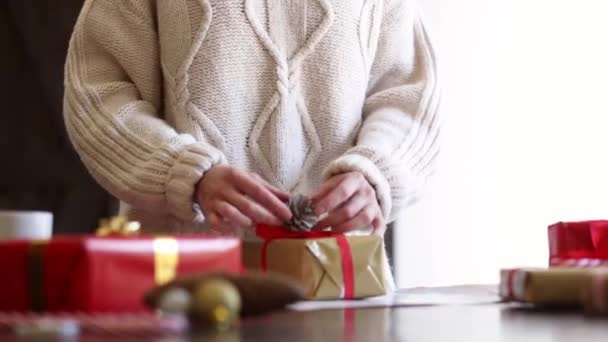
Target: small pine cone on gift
{"type": "Point", "coordinates": [304, 218]}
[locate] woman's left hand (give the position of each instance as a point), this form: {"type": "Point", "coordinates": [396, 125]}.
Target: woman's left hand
{"type": "Point", "coordinates": [350, 203]}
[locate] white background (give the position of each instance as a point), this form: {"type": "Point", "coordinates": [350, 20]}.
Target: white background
{"type": "Point", "coordinates": [525, 144]}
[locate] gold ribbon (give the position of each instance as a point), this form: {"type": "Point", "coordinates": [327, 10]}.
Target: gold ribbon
{"type": "Point", "coordinates": [166, 258]}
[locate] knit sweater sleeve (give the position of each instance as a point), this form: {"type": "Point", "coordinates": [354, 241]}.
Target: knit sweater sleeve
{"type": "Point", "coordinates": [397, 144]}
{"type": "Point", "coordinates": [112, 104]}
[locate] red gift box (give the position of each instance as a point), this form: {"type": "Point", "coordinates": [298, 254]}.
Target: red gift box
{"type": "Point", "coordinates": [581, 244]}
{"type": "Point", "coordinates": [103, 274]}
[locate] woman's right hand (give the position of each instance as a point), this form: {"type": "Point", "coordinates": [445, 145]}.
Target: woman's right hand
{"type": "Point", "coordinates": [231, 198]}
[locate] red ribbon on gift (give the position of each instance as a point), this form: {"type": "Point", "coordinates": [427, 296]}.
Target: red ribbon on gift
{"type": "Point", "coordinates": [578, 240]}
{"type": "Point", "coordinates": [269, 233]}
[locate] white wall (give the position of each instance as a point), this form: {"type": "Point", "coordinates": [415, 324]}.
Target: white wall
{"type": "Point", "coordinates": [525, 103]}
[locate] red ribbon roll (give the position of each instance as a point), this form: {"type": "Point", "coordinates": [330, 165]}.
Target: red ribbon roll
{"type": "Point", "coordinates": [269, 233]}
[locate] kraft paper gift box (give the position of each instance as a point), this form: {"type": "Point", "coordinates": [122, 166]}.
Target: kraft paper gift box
{"type": "Point", "coordinates": [553, 287]}
{"type": "Point", "coordinates": [585, 288]}
{"type": "Point", "coordinates": [327, 265]}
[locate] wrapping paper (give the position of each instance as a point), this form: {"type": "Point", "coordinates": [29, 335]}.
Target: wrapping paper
{"type": "Point", "coordinates": [328, 266]}
{"type": "Point", "coordinates": [595, 296]}
{"type": "Point", "coordinates": [110, 274]}
{"type": "Point", "coordinates": [585, 288]}
{"type": "Point", "coordinates": [553, 287]}
{"type": "Point", "coordinates": [578, 244]}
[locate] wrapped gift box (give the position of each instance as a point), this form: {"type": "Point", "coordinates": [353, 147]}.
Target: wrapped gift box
{"type": "Point", "coordinates": [327, 265]}
{"type": "Point", "coordinates": [595, 297]}
{"type": "Point", "coordinates": [581, 244]}
{"type": "Point", "coordinates": [585, 288]}
{"type": "Point", "coordinates": [103, 274]}
{"type": "Point", "coordinates": [554, 287]}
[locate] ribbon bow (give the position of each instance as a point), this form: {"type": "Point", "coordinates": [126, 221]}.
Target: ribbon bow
{"type": "Point", "coordinates": [118, 225]}
{"type": "Point", "coordinates": [269, 234]}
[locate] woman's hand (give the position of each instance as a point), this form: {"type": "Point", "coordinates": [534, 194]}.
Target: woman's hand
{"type": "Point", "coordinates": [350, 203]}
{"type": "Point", "coordinates": [231, 198]}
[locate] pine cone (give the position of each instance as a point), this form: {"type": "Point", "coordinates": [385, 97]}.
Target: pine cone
{"type": "Point", "coordinates": [304, 217]}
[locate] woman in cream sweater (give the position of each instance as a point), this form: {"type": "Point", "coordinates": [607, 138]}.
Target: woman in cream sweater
{"type": "Point", "coordinates": [206, 114]}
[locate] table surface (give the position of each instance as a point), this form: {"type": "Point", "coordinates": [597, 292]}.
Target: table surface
{"type": "Point", "coordinates": [485, 322]}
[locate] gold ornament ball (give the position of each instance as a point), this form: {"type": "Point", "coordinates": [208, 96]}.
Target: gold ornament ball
{"type": "Point", "coordinates": [218, 302]}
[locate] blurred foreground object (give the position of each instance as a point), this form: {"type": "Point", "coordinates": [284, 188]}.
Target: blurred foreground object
{"type": "Point", "coordinates": [105, 274]}
{"type": "Point", "coordinates": [217, 300]}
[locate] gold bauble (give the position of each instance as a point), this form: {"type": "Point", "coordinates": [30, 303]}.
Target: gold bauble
{"type": "Point", "coordinates": [217, 302]}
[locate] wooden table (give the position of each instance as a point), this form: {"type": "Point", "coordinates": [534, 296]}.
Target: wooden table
{"type": "Point", "coordinates": [471, 322]}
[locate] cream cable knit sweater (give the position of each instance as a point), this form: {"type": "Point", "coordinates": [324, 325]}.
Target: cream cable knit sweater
{"type": "Point", "coordinates": [159, 91]}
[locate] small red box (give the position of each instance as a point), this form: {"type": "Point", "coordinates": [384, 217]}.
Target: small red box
{"type": "Point", "coordinates": [580, 244]}
{"type": "Point", "coordinates": [103, 274]}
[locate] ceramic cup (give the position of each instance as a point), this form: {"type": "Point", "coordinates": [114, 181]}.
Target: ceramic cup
{"type": "Point", "coordinates": [25, 225]}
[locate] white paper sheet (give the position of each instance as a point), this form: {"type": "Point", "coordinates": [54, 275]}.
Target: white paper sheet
{"type": "Point", "coordinates": [401, 299]}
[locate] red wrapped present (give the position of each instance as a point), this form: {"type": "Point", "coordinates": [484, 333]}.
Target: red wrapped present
{"type": "Point", "coordinates": [103, 274]}
{"type": "Point", "coordinates": [580, 244]}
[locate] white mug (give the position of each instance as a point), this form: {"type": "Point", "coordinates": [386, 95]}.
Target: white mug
{"type": "Point", "coordinates": [25, 225]}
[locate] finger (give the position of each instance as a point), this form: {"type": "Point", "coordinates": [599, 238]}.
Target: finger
{"type": "Point", "coordinates": [218, 224]}
{"type": "Point", "coordinates": [343, 190]}
{"type": "Point", "coordinates": [362, 220]}
{"type": "Point", "coordinates": [251, 209]}
{"type": "Point", "coordinates": [260, 194]}
{"type": "Point", "coordinates": [283, 196]}
{"type": "Point", "coordinates": [229, 213]}
{"type": "Point", "coordinates": [326, 187]}
{"type": "Point", "coordinates": [344, 213]}
{"type": "Point", "coordinates": [378, 226]}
